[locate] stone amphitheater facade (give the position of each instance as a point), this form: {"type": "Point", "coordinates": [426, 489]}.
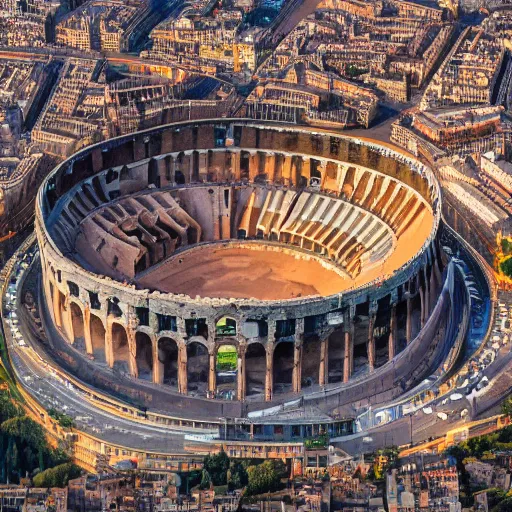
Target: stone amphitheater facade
{"type": "Point", "coordinates": [117, 220]}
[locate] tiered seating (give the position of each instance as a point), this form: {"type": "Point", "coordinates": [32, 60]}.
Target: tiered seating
{"type": "Point", "coordinates": [126, 236]}
{"type": "Point", "coordinates": [355, 228]}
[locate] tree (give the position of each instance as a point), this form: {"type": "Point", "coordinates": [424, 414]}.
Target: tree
{"type": "Point", "coordinates": [217, 466]}
{"type": "Point", "coordinates": [506, 407]}
{"type": "Point", "coordinates": [59, 476]}
{"type": "Point", "coordinates": [206, 481]}
{"type": "Point", "coordinates": [237, 475]}
{"type": "Point", "coordinates": [265, 477]}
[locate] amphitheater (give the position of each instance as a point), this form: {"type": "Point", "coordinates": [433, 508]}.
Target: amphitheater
{"type": "Point", "coordinates": [314, 257]}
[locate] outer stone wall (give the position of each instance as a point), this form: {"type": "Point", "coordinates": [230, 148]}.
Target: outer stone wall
{"type": "Point", "coordinates": [291, 345]}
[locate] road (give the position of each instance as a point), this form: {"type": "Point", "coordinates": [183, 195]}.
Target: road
{"type": "Point", "coordinates": [47, 388]}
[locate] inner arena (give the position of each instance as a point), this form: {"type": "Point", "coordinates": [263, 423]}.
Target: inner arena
{"type": "Point", "coordinates": [246, 263]}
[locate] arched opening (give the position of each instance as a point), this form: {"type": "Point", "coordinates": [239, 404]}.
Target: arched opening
{"type": "Point", "coordinates": [401, 324]}
{"type": "Point", "coordinates": [144, 356]}
{"type": "Point", "coordinates": [77, 323]}
{"type": "Point", "coordinates": [255, 369]}
{"type": "Point", "coordinates": [120, 348]}
{"type": "Point", "coordinates": [336, 359]}
{"type": "Point", "coordinates": [283, 367]}
{"type": "Point", "coordinates": [361, 325]}
{"type": "Point", "coordinates": [225, 326]}
{"type": "Point", "coordinates": [168, 360]}
{"type": "Point", "coordinates": [311, 351]}
{"type": "Point", "coordinates": [97, 338]}
{"type": "Point", "coordinates": [61, 311]}
{"type": "Point", "coordinates": [381, 332]}
{"type": "Point", "coordinates": [226, 372]}
{"type": "Point", "coordinates": [197, 367]}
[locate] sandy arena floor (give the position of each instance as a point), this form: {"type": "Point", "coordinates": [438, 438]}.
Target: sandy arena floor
{"type": "Point", "coordinates": [243, 273]}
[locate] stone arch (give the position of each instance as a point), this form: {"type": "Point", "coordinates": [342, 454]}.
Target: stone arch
{"type": "Point", "coordinates": [168, 352]}
{"type": "Point", "coordinates": [144, 356]}
{"type": "Point", "coordinates": [97, 338]}
{"type": "Point", "coordinates": [120, 348]}
{"type": "Point", "coordinates": [336, 348]}
{"type": "Point", "coordinates": [255, 368]}
{"type": "Point", "coordinates": [283, 366]}
{"type": "Point", "coordinates": [226, 374]}
{"type": "Point", "coordinates": [361, 326]}
{"type": "Point", "coordinates": [310, 364]}
{"type": "Point", "coordinates": [198, 361]}
{"type": "Point", "coordinates": [225, 326]}
{"type": "Point", "coordinates": [77, 323]}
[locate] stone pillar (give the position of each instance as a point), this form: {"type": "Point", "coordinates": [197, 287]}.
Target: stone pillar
{"type": "Point", "coordinates": [235, 163]}
{"type": "Point", "coordinates": [323, 376]}
{"type": "Point", "coordinates": [297, 366]}
{"type": "Point", "coordinates": [392, 333]}
{"type": "Point", "coordinates": [254, 165]}
{"type": "Point", "coordinates": [348, 328]}
{"type": "Point", "coordinates": [408, 325]}
{"type": "Point", "coordinates": [212, 380]}
{"type": "Point", "coordinates": [297, 355]}
{"type": "Point", "coordinates": [427, 296]}
{"type": "Point", "coordinates": [306, 168]}
{"type": "Point", "coordinates": [158, 370]}
{"type": "Point", "coordinates": [269, 377]}
{"type": "Point", "coordinates": [270, 165]}
{"type": "Point", "coordinates": [56, 305]}
{"type": "Point", "coordinates": [109, 345]}
{"type": "Point", "coordinates": [422, 300]}
{"type": "Point", "coordinates": [131, 334]}
{"type": "Point", "coordinates": [287, 170]}
{"type": "Point", "coordinates": [191, 167]}
{"type": "Point", "coordinates": [241, 372]}
{"type": "Point", "coordinates": [371, 338]}
{"type": "Point", "coordinates": [433, 286]}
{"type": "Point", "coordinates": [87, 329]}
{"type": "Point", "coordinates": [67, 320]}
{"type": "Point", "coordinates": [182, 369]}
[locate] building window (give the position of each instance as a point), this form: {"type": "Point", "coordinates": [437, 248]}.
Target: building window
{"type": "Point", "coordinates": [167, 323]}
{"type": "Point", "coordinates": [143, 315]}
{"type": "Point", "coordinates": [73, 289]}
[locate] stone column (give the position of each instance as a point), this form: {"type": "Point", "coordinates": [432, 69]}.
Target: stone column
{"type": "Point", "coordinates": [182, 369]}
{"type": "Point", "coordinates": [131, 334]}
{"type": "Point", "coordinates": [212, 380]}
{"type": "Point", "coordinates": [158, 370]}
{"type": "Point", "coordinates": [191, 167]}
{"type": "Point", "coordinates": [254, 164]}
{"type": "Point", "coordinates": [56, 305]}
{"type": "Point", "coordinates": [270, 165]}
{"type": "Point", "coordinates": [348, 328]}
{"type": "Point", "coordinates": [422, 300]}
{"type": "Point", "coordinates": [235, 163]}
{"type": "Point", "coordinates": [109, 345]}
{"type": "Point", "coordinates": [87, 329]}
{"type": "Point", "coordinates": [324, 362]}
{"type": "Point", "coordinates": [67, 320]}
{"type": "Point", "coordinates": [297, 355]}
{"type": "Point", "coordinates": [297, 366]}
{"type": "Point", "coordinates": [306, 168]}
{"type": "Point", "coordinates": [269, 377]}
{"type": "Point", "coordinates": [287, 170]}
{"type": "Point", "coordinates": [426, 296]}
{"type": "Point", "coordinates": [433, 286]}
{"type": "Point", "coordinates": [240, 381]}
{"type": "Point", "coordinates": [392, 333]}
{"type": "Point", "coordinates": [371, 338]}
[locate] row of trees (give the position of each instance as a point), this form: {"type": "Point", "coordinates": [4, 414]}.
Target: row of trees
{"type": "Point", "coordinates": [255, 475]}
{"type": "Point", "coordinates": [24, 450]}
